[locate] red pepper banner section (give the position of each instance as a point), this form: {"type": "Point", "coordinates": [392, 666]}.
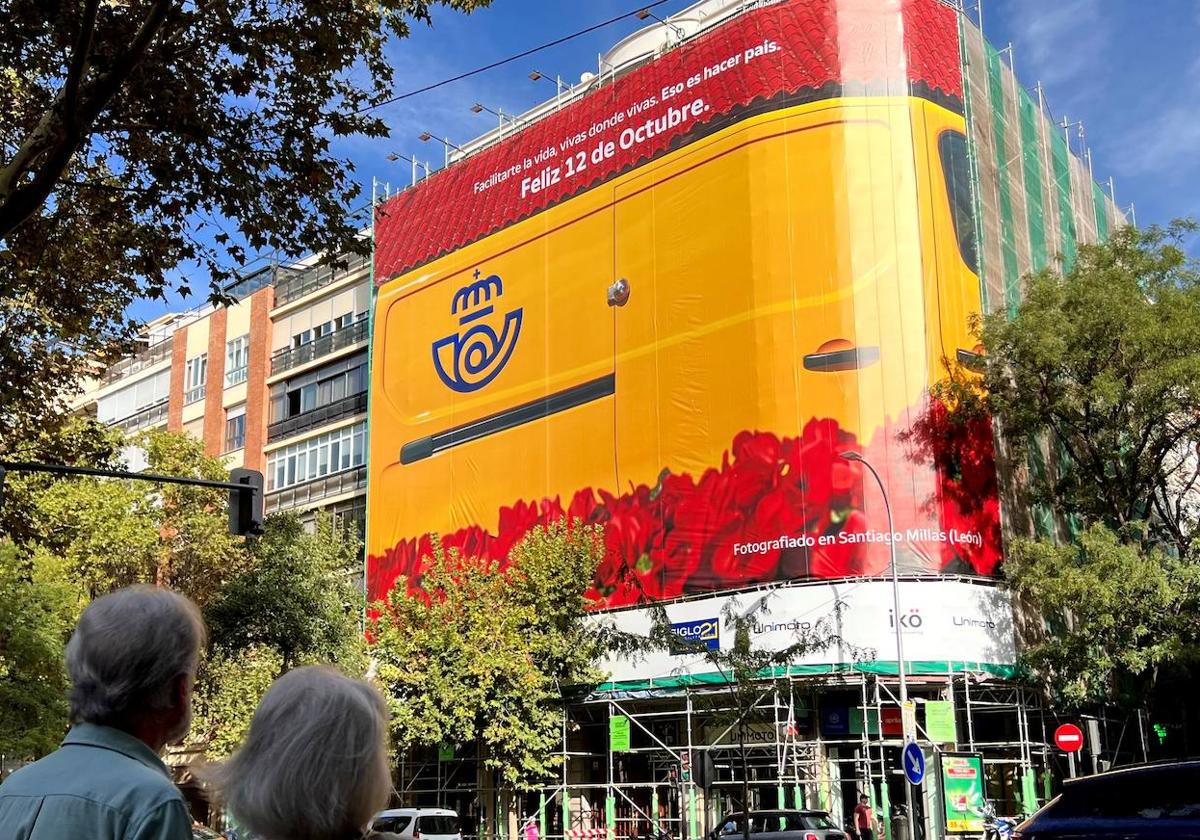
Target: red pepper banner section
{"type": "Point", "coordinates": [781, 54]}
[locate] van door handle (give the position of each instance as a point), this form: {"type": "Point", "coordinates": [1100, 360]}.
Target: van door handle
{"type": "Point", "coordinates": [618, 293]}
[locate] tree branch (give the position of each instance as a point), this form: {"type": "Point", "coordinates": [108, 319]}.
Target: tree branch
{"type": "Point", "coordinates": [79, 62]}
{"type": "Point", "coordinates": [55, 139]}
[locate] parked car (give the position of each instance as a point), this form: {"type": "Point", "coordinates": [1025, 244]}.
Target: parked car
{"type": "Point", "coordinates": [1135, 803]}
{"type": "Point", "coordinates": [781, 825]}
{"type": "Point", "coordinates": [419, 823]}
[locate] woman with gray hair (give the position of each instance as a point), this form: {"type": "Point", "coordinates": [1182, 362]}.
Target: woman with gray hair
{"type": "Point", "coordinates": [314, 764]}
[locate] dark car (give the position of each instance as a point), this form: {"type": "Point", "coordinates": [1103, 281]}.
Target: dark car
{"type": "Point", "coordinates": [1136, 803]}
{"type": "Point", "coordinates": [781, 825]}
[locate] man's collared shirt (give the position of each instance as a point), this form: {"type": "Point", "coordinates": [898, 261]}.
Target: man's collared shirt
{"type": "Point", "coordinates": [101, 784]}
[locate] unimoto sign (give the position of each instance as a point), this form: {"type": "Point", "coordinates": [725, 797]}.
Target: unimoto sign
{"type": "Point", "coordinates": [956, 622]}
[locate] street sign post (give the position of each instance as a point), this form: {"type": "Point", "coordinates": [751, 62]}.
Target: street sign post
{"type": "Point", "coordinates": [914, 763]}
{"type": "Point", "coordinates": [1069, 739]}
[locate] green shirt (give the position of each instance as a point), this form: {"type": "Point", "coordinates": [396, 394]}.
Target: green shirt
{"type": "Point", "coordinates": [101, 784]}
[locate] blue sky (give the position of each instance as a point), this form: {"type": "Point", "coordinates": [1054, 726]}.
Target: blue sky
{"type": "Point", "coordinates": [1129, 70]}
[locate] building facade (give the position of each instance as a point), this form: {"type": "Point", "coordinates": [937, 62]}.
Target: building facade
{"type": "Point", "coordinates": [273, 382]}
{"type": "Point", "coordinates": [677, 295]}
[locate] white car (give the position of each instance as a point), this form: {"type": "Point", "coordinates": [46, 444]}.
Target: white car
{"type": "Point", "coordinates": [419, 823]}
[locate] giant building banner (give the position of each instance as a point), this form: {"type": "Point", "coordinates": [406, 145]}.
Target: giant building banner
{"type": "Point", "coordinates": [670, 308]}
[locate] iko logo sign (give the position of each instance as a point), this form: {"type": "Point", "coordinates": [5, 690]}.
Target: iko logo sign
{"type": "Point", "coordinates": [908, 621]}
{"type": "Point", "coordinates": [474, 355]}
{"type": "Point", "coordinates": [695, 636]}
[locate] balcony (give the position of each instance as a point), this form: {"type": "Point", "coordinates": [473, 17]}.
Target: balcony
{"type": "Point", "coordinates": [144, 419]}
{"type": "Point", "coordinates": [291, 357]}
{"type": "Point", "coordinates": [194, 395]}
{"type": "Point", "coordinates": [345, 407]}
{"type": "Point", "coordinates": [236, 376]}
{"type": "Point", "coordinates": [314, 277]}
{"type": "Point", "coordinates": [130, 365]}
{"type": "Point", "coordinates": [313, 491]}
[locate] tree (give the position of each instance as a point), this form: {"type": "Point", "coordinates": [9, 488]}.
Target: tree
{"type": "Point", "coordinates": [117, 533]}
{"type": "Point", "coordinates": [1099, 367]}
{"type": "Point", "coordinates": [37, 608]}
{"type": "Point", "coordinates": [297, 596]}
{"type": "Point", "coordinates": [1103, 362]}
{"type": "Point", "coordinates": [139, 136]}
{"type": "Point", "coordinates": [1118, 615]}
{"type": "Point", "coordinates": [285, 599]}
{"type": "Point", "coordinates": [483, 651]}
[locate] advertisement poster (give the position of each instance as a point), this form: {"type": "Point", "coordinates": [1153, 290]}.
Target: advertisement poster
{"type": "Point", "coordinates": [671, 307]}
{"type": "Point", "coordinates": [963, 792]}
{"type": "Point", "coordinates": [950, 621]}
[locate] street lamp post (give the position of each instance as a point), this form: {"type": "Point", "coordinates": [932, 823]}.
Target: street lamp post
{"type": "Point", "coordinates": [479, 108]}
{"type": "Point", "coordinates": [900, 662]}
{"type": "Point", "coordinates": [425, 137]}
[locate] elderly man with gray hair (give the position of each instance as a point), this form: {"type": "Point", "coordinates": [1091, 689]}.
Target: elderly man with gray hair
{"type": "Point", "coordinates": [132, 662]}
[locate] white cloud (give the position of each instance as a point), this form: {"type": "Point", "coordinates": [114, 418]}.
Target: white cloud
{"type": "Point", "coordinates": [1060, 43]}
{"type": "Point", "coordinates": [1167, 143]}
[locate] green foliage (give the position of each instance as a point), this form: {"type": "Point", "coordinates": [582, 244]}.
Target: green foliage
{"type": "Point", "coordinates": [297, 597]}
{"type": "Point", "coordinates": [37, 609]}
{"type": "Point", "coordinates": [1104, 362]}
{"type": "Point", "coordinates": [1117, 614]}
{"type": "Point", "coordinates": [117, 533]}
{"type": "Point", "coordinates": [483, 654]}
{"type": "Point", "coordinates": [230, 689]}
{"type": "Point", "coordinates": [143, 136]}
{"type": "Point", "coordinates": [286, 599]}
{"type": "Point", "coordinates": [62, 439]}
{"type": "Point", "coordinates": [1102, 368]}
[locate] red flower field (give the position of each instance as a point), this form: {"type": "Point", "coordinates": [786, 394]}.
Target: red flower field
{"type": "Point", "coordinates": [776, 509]}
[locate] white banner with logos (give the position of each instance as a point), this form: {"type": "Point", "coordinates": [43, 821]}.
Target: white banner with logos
{"type": "Point", "coordinates": [942, 620]}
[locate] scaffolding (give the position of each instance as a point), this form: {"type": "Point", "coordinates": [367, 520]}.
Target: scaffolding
{"type": "Point", "coordinates": [811, 742]}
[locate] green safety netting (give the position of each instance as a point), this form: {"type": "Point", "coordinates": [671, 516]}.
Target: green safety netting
{"type": "Point", "coordinates": [1061, 157]}
{"type": "Point", "coordinates": [1008, 242]}
{"type": "Point", "coordinates": [1031, 154]}
{"type": "Point", "coordinates": [1101, 202]}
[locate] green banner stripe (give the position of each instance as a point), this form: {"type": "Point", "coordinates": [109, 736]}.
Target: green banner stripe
{"type": "Point", "coordinates": [875, 666]}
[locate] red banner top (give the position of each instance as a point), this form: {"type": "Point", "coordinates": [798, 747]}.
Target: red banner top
{"type": "Point", "coordinates": [781, 54]}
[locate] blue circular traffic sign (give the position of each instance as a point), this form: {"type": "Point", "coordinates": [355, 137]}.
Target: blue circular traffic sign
{"type": "Point", "coordinates": [914, 763]}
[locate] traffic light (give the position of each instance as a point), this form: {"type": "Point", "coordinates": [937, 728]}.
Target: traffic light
{"type": "Point", "coordinates": [246, 506]}
{"type": "Point", "coordinates": [705, 772]}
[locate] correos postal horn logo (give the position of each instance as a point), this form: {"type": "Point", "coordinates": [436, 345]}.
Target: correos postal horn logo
{"type": "Point", "coordinates": [472, 357]}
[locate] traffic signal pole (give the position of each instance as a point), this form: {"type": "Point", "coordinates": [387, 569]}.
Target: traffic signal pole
{"type": "Point", "coordinates": [245, 494]}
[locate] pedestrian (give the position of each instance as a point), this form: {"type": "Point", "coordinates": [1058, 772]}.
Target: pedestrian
{"type": "Point", "coordinates": [132, 662]}
{"type": "Point", "coordinates": [314, 763]}
{"type": "Point", "coordinates": [864, 819]}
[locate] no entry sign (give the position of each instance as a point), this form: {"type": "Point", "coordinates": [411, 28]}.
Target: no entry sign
{"type": "Point", "coordinates": [1068, 738]}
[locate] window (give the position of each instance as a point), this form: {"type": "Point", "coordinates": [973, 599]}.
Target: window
{"type": "Point", "coordinates": [956, 167]}
{"type": "Point", "coordinates": [301, 338]}
{"type": "Point", "coordinates": [317, 389]}
{"type": "Point", "coordinates": [395, 825]}
{"type": "Point", "coordinates": [237, 360]}
{"type": "Point", "coordinates": [194, 377]}
{"type": "Point", "coordinates": [235, 427]}
{"type": "Point", "coordinates": [317, 457]}
{"type": "Point", "coordinates": [135, 398]}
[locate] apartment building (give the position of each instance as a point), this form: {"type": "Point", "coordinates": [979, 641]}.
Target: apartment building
{"type": "Point", "coordinates": [275, 381]}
